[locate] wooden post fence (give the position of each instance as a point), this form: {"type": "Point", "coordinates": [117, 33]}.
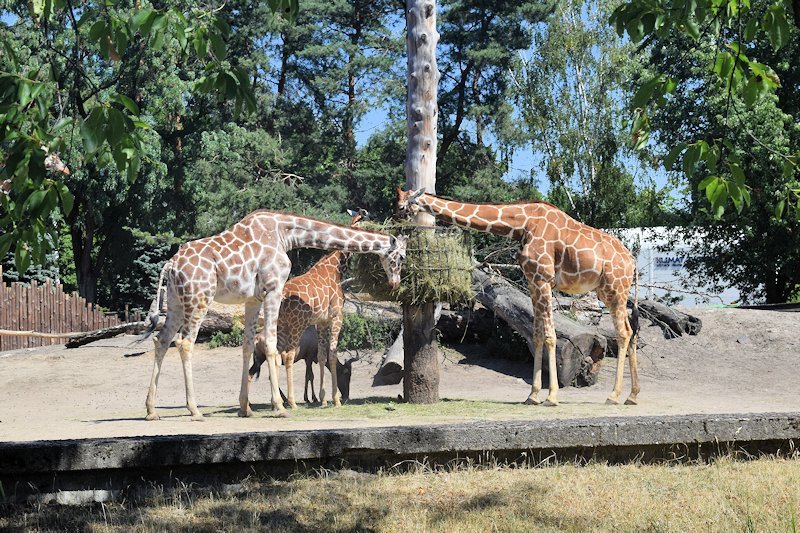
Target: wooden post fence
{"type": "Point", "coordinates": [45, 309]}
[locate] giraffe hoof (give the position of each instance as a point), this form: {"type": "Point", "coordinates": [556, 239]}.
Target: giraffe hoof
{"type": "Point", "coordinates": [245, 414]}
{"type": "Point", "coordinates": [532, 401]}
{"type": "Point", "coordinates": [283, 413]}
{"type": "Point", "coordinates": [152, 416]}
{"type": "Point", "coordinates": [612, 401]}
{"type": "Point", "coordinates": [292, 405]}
{"type": "Point", "coordinates": [198, 418]}
{"type": "Point", "coordinates": [632, 401]}
{"type": "Point", "coordinates": [550, 403]}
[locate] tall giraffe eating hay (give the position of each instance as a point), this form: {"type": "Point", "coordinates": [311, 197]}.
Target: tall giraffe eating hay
{"type": "Point", "coordinates": [556, 252]}
{"type": "Point", "coordinates": [315, 297]}
{"type": "Point", "coordinates": [248, 263]}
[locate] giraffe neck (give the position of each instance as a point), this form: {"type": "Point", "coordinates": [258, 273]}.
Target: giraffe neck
{"type": "Point", "coordinates": [507, 219]}
{"type": "Point", "coordinates": [301, 232]}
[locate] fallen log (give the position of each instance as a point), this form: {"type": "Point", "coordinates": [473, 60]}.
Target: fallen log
{"type": "Point", "coordinates": [579, 350]}
{"type": "Point", "coordinates": [672, 322]}
{"type": "Point", "coordinates": [86, 337]}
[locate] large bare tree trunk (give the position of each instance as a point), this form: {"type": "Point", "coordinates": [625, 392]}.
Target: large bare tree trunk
{"type": "Point", "coordinates": [421, 369]}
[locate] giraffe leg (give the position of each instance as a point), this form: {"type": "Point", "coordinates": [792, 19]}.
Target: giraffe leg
{"type": "Point", "coordinates": [186, 348]}
{"type": "Point", "coordinates": [634, 368]}
{"type": "Point", "coordinates": [322, 358]}
{"type": "Point", "coordinates": [309, 381]}
{"type": "Point", "coordinates": [549, 330]}
{"type": "Point", "coordinates": [619, 315]}
{"type": "Point", "coordinates": [333, 359]}
{"type": "Point", "coordinates": [288, 363]}
{"type": "Point", "coordinates": [161, 341]}
{"type": "Point", "coordinates": [272, 305]}
{"type": "Point", "coordinates": [251, 311]}
{"type": "Point", "coordinates": [538, 341]}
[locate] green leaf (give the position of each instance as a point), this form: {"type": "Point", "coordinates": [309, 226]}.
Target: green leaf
{"type": "Point", "coordinates": [98, 31]}
{"type": "Point", "coordinates": [5, 243]}
{"type": "Point", "coordinates": [775, 24]}
{"type": "Point", "coordinates": [116, 126]}
{"type": "Point", "coordinates": [93, 130]}
{"type": "Point", "coordinates": [33, 201]}
{"type": "Point", "coordinates": [690, 159]}
{"type": "Point", "coordinates": [140, 18]}
{"type": "Point", "coordinates": [738, 174]}
{"type": "Point", "coordinates": [644, 93]}
{"type": "Point", "coordinates": [788, 169]}
{"type": "Point", "coordinates": [705, 183]}
{"type": "Point", "coordinates": [67, 200]}
{"type": "Point", "coordinates": [672, 156]}
{"type": "Point", "coordinates": [750, 29]}
{"type": "Point", "coordinates": [129, 104]}
{"type": "Point", "coordinates": [200, 44]}
{"type": "Point", "coordinates": [723, 65]}
{"type": "Point", "coordinates": [217, 46]}
{"type": "Point", "coordinates": [751, 91]}
{"type": "Point", "coordinates": [22, 259]}
{"type": "Point", "coordinates": [133, 169]}
{"type": "Point", "coordinates": [692, 29]}
{"type": "Point", "coordinates": [779, 208]}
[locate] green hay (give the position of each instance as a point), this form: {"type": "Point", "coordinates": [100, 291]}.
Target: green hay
{"type": "Point", "coordinates": [438, 268]}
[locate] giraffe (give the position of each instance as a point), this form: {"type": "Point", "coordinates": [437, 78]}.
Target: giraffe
{"type": "Point", "coordinates": [556, 251]}
{"type": "Point", "coordinates": [314, 298]}
{"type": "Point", "coordinates": [247, 263]}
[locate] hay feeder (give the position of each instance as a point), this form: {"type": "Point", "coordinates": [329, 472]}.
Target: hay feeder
{"type": "Point", "coordinates": [438, 267]}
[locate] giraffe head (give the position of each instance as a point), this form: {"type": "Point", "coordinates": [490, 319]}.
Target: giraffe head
{"type": "Point", "coordinates": [359, 215]}
{"type": "Point", "coordinates": [392, 261]}
{"type": "Point", "coordinates": [407, 202]}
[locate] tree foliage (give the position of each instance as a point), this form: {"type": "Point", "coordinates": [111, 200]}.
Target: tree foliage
{"type": "Point", "coordinates": [732, 36]}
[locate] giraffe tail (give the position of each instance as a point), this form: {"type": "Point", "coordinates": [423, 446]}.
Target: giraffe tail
{"type": "Point", "coordinates": [155, 307]}
{"type": "Point", "coordinates": [634, 318]}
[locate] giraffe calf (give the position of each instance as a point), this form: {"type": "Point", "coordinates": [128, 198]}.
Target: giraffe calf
{"type": "Point", "coordinates": [307, 351]}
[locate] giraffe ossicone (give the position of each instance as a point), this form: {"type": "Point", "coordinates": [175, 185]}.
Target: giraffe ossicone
{"type": "Point", "coordinates": [556, 252]}
{"type": "Point", "coordinates": [247, 263]}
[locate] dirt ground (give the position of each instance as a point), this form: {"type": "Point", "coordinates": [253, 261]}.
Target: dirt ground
{"type": "Point", "coordinates": [742, 361]}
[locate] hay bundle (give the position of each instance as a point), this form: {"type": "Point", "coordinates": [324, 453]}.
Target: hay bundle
{"type": "Point", "coordinates": [438, 267]}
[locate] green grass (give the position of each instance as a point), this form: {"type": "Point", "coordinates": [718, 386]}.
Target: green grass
{"type": "Point", "coordinates": [724, 495]}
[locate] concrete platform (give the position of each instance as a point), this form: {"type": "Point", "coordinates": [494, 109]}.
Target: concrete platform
{"type": "Point", "coordinates": [112, 464]}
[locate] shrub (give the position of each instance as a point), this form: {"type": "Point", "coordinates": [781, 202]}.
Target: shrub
{"type": "Point", "coordinates": [232, 339]}
{"type": "Point", "coordinates": [367, 332]}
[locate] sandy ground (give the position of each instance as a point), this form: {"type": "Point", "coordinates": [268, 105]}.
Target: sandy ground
{"type": "Point", "coordinates": [743, 361]}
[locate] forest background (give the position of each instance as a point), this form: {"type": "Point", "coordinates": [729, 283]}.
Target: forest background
{"type": "Point", "coordinates": [176, 124]}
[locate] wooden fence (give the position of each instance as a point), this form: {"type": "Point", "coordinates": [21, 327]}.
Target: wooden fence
{"type": "Point", "coordinates": [45, 309]}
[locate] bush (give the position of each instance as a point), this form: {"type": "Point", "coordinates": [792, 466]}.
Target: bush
{"type": "Point", "coordinates": [367, 332]}
{"type": "Point", "coordinates": [230, 340]}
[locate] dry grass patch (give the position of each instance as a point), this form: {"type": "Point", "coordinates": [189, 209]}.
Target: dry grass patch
{"type": "Point", "coordinates": [726, 495]}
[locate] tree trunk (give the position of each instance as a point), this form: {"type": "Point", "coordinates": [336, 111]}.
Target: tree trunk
{"type": "Point", "coordinates": [421, 381]}
{"type": "Point", "coordinates": [421, 361]}
{"type": "Point", "coordinates": [391, 370]}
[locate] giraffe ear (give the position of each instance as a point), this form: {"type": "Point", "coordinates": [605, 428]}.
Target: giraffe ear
{"type": "Point", "coordinates": [351, 212]}
{"type": "Point", "coordinates": [366, 215]}
{"type": "Point", "coordinates": [416, 194]}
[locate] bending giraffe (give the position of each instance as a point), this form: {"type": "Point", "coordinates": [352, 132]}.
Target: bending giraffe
{"type": "Point", "coordinates": [314, 298]}
{"type": "Point", "coordinates": [556, 252]}
{"type": "Point", "coordinates": [248, 263]}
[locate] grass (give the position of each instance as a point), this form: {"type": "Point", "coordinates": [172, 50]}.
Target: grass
{"type": "Point", "coordinates": [724, 495]}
